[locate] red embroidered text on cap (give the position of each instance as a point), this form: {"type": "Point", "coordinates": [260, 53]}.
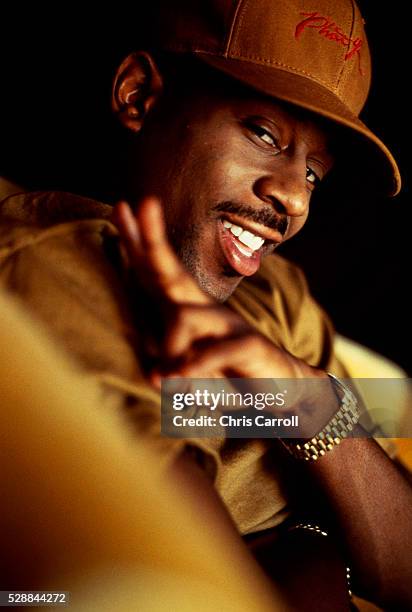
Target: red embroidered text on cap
{"type": "Point", "coordinates": [328, 28]}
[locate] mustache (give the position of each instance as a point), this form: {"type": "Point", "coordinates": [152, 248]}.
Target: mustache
{"type": "Point", "coordinates": [263, 216]}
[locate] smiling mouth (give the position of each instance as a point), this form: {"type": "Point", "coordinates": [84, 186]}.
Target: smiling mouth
{"type": "Point", "coordinates": [251, 241]}
{"type": "Point", "coordinates": [242, 247]}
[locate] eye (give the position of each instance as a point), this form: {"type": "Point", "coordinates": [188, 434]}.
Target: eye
{"type": "Point", "coordinates": [264, 135]}
{"type": "Point", "coordinates": [312, 177]}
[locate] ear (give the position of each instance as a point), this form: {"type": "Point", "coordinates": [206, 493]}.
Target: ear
{"type": "Point", "coordinates": [137, 86]}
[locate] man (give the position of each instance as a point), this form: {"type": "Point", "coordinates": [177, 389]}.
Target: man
{"type": "Point", "coordinates": [238, 113]}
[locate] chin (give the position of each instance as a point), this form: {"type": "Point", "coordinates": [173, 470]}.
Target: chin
{"type": "Point", "coordinates": [219, 283]}
{"type": "Point", "coordinates": [219, 289]}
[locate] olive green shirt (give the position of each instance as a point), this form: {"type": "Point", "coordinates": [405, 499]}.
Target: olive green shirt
{"type": "Point", "coordinates": [58, 254]}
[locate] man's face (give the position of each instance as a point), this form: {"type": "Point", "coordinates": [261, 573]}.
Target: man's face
{"type": "Point", "coordinates": [235, 175]}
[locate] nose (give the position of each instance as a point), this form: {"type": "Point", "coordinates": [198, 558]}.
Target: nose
{"type": "Point", "coordinates": [285, 189]}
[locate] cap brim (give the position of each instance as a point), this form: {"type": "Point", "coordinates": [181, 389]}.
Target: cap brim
{"type": "Point", "coordinates": [308, 94]}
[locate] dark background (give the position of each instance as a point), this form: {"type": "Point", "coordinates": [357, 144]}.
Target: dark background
{"type": "Point", "coordinates": [57, 133]}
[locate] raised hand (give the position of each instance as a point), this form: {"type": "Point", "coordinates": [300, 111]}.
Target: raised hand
{"type": "Point", "coordinates": [201, 338]}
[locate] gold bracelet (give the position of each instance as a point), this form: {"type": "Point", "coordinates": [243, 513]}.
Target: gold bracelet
{"type": "Point", "coordinates": [316, 529]}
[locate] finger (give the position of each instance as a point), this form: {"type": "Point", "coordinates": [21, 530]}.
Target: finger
{"type": "Point", "coordinates": [229, 357]}
{"type": "Point", "coordinates": [192, 322]}
{"type": "Point", "coordinates": [125, 221]}
{"type": "Point", "coordinates": [172, 276]}
{"type": "Point", "coordinates": [155, 242]}
{"type": "Point", "coordinates": [155, 262]}
{"type": "Point", "coordinates": [245, 356]}
{"type": "Point", "coordinates": [130, 244]}
{"type": "Point", "coordinates": [148, 250]}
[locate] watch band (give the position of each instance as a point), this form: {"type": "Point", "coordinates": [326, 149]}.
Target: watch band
{"type": "Point", "coordinates": [338, 427]}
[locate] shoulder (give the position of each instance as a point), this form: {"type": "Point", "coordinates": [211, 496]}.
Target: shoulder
{"type": "Point", "coordinates": [27, 219]}
{"type": "Point", "coordinates": [45, 208]}
{"type": "Point", "coordinates": [59, 256]}
{"type": "Point", "coordinates": [31, 221]}
{"type": "Point", "coordinates": [54, 243]}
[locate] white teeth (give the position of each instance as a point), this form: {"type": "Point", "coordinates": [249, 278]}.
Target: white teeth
{"type": "Point", "coordinates": [258, 242]}
{"type": "Point", "coordinates": [236, 230]}
{"type": "Point", "coordinates": [248, 239]}
{"type": "Point", "coordinates": [243, 251]}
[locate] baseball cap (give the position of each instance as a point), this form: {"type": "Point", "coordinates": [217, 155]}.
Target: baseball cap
{"type": "Point", "coordinates": [313, 54]}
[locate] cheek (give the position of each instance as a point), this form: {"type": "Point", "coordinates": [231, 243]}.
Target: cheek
{"type": "Point", "coordinates": [210, 178]}
{"type": "Point", "coordinates": [217, 163]}
{"type": "Point", "coordinates": [223, 175]}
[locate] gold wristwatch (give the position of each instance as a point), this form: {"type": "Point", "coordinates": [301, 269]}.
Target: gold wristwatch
{"type": "Point", "coordinates": [338, 428]}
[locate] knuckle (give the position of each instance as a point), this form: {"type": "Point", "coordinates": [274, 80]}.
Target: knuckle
{"type": "Point", "coordinates": [182, 315]}
{"type": "Point", "coordinates": [252, 342]}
